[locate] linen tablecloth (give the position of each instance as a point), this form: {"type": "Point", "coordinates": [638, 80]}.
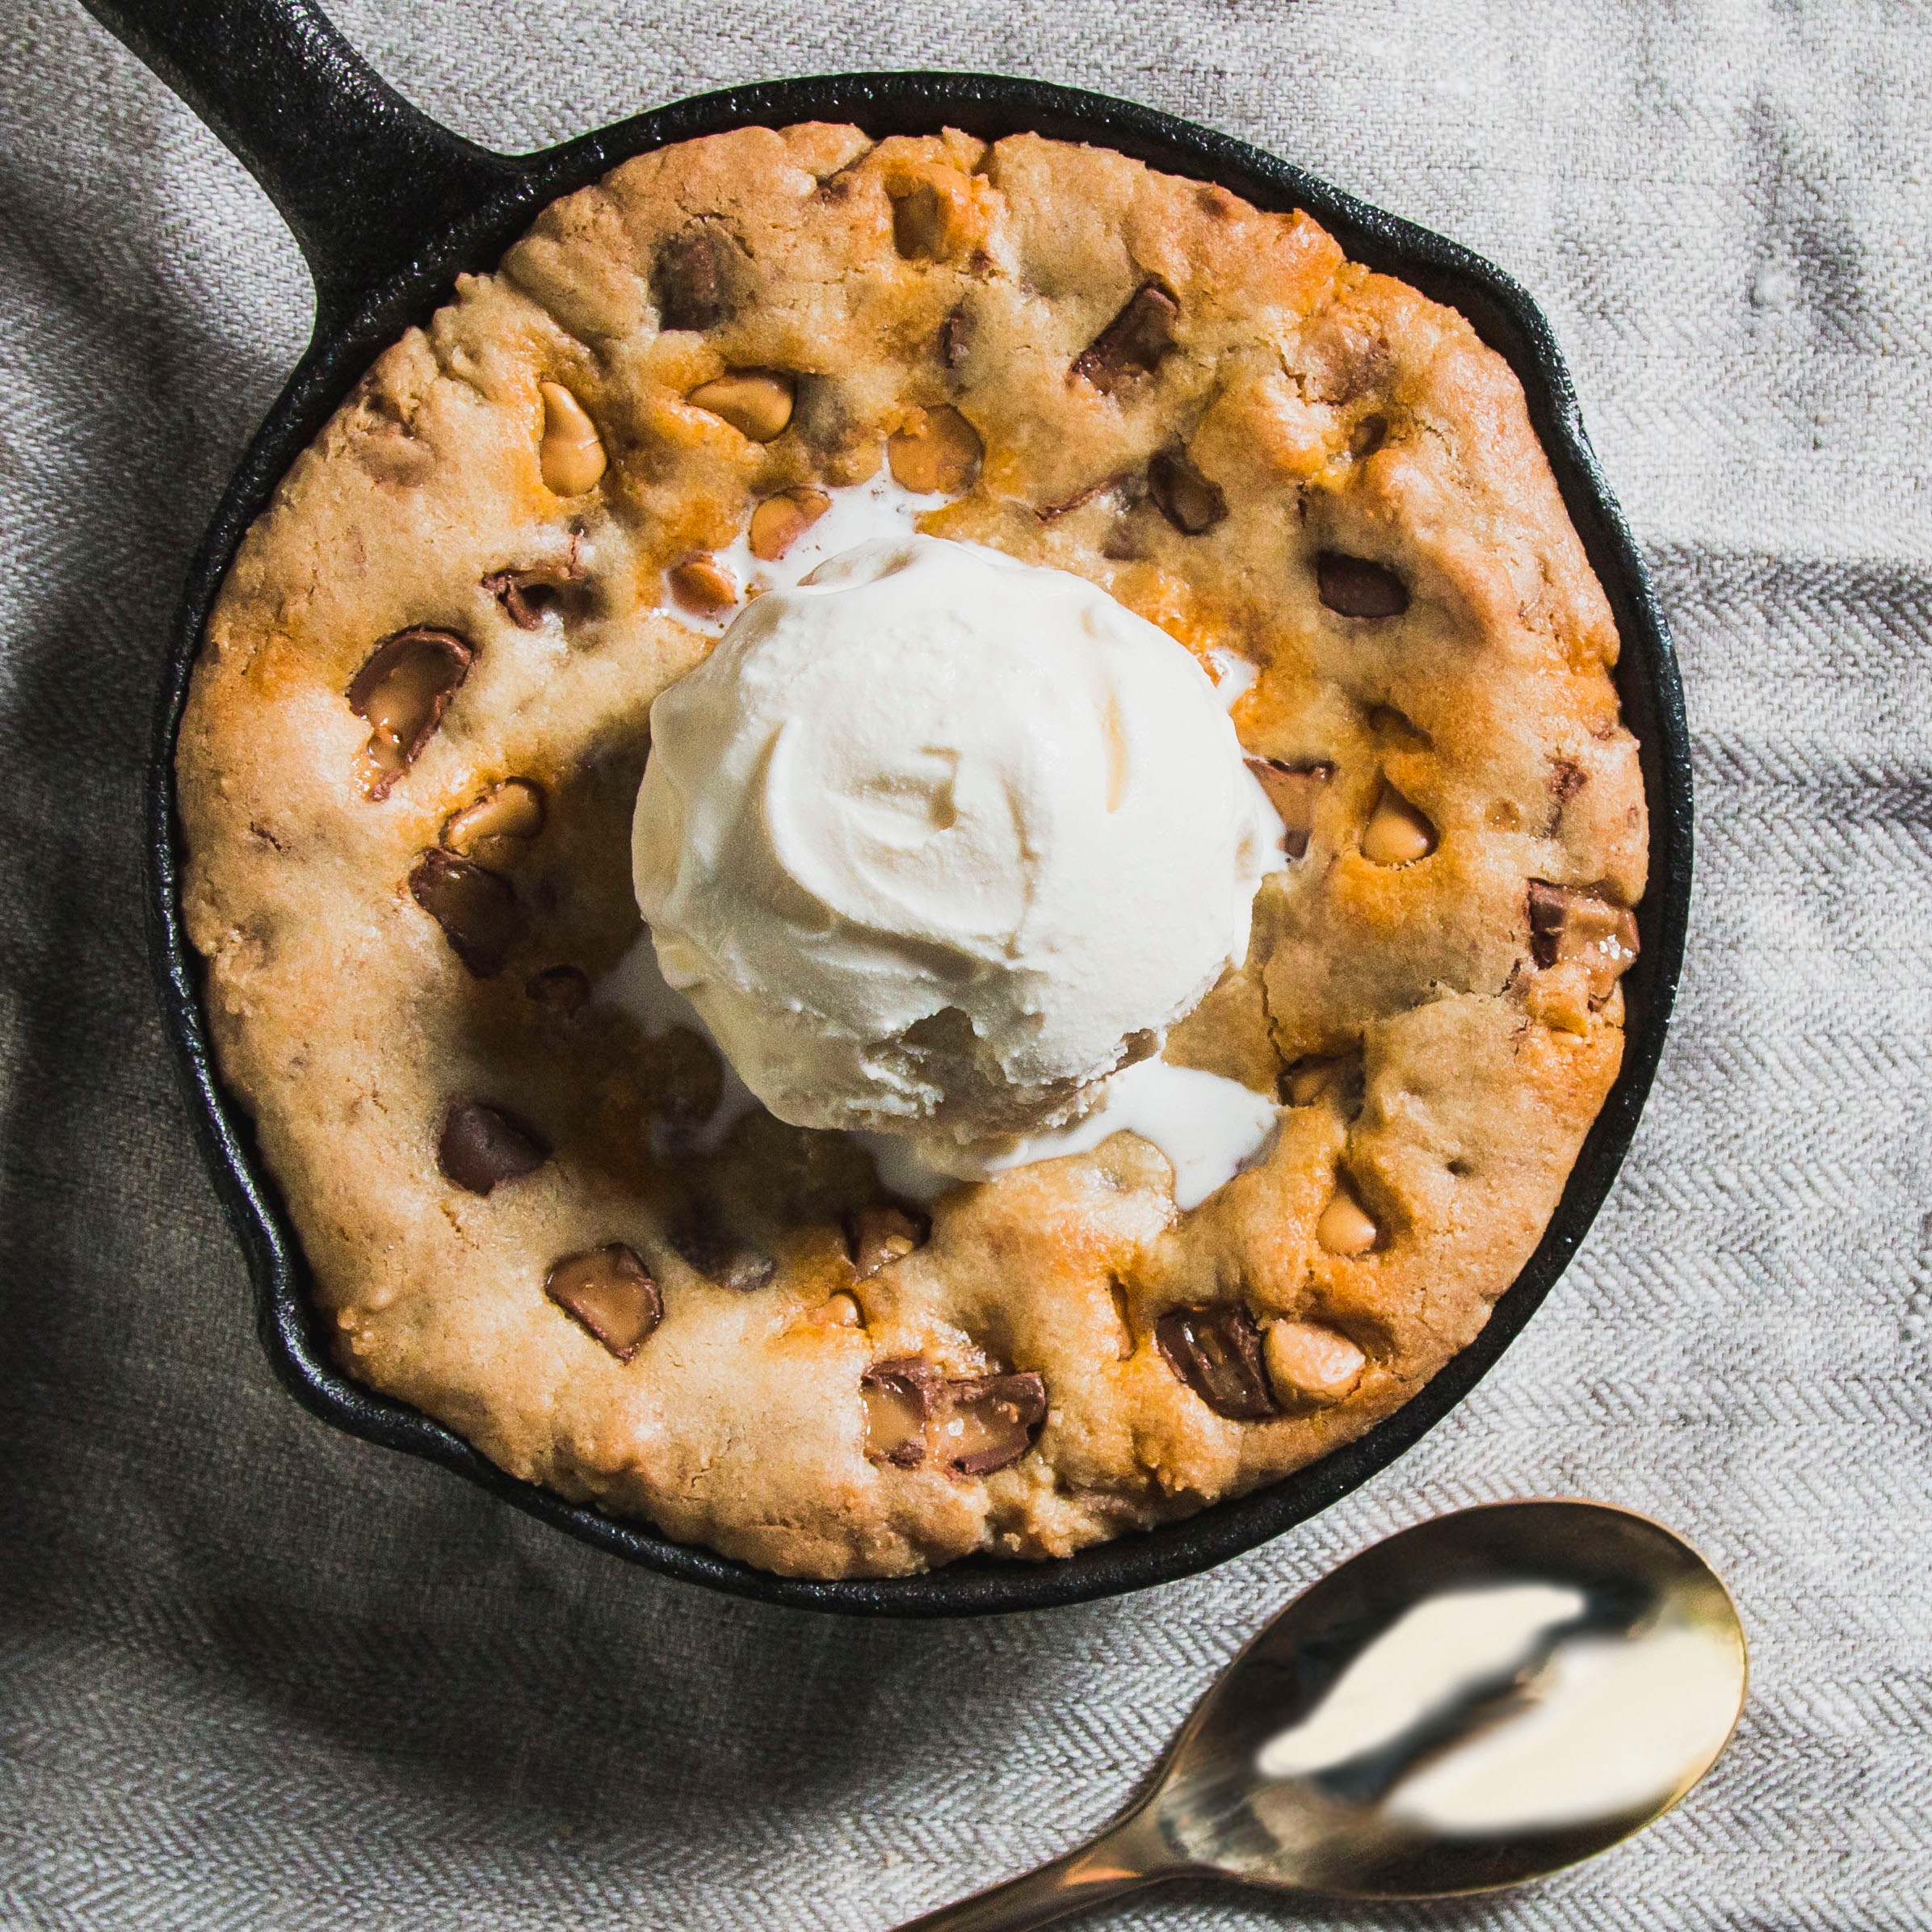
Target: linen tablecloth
{"type": "Point", "coordinates": [253, 1673]}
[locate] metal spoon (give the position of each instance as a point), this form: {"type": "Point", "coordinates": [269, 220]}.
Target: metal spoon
{"type": "Point", "coordinates": [1476, 1702]}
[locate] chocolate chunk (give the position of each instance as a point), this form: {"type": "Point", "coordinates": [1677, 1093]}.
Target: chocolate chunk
{"type": "Point", "coordinates": [1217, 1351]}
{"type": "Point", "coordinates": [955, 338]}
{"type": "Point", "coordinates": [988, 1422]}
{"type": "Point", "coordinates": [1567, 927]}
{"type": "Point", "coordinates": [1133, 344]}
{"type": "Point", "coordinates": [971, 1425]}
{"type": "Point", "coordinates": [881, 1233]}
{"type": "Point", "coordinates": [609, 1292]}
{"type": "Point", "coordinates": [560, 990]}
{"type": "Point", "coordinates": [1368, 436]}
{"type": "Point", "coordinates": [481, 1146]}
{"type": "Point", "coordinates": [1292, 790]}
{"type": "Point", "coordinates": [1051, 513]}
{"type": "Point", "coordinates": [899, 1398]}
{"type": "Point", "coordinates": [526, 595]}
{"type": "Point", "coordinates": [476, 908]}
{"type": "Point", "coordinates": [706, 1240]}
{"type": "Point", "coordinates": [403, 691]}
{"type": "Point", "coordinates": [700, 277]}
{"type": "Point", "coordinates": [1352, 586]}
{"type": "Point", "coordinates": [1183, 495]}
{"type": "Point", "coordinates": [1567, 778]}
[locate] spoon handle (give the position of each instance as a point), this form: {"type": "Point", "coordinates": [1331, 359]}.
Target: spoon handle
{"type": "Point", "coordinates": [1090, 1875]}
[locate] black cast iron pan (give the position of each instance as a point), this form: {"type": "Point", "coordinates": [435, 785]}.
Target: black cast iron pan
{"type": "Point", "coordinates": [389, 207]}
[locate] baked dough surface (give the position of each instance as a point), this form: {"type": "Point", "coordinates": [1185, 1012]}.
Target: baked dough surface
{"type": "Point", "coordinates": [1299, 404]}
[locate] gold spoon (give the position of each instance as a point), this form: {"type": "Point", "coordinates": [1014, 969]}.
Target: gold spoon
{"type": "Point", "coordinates": [1476, 1702]}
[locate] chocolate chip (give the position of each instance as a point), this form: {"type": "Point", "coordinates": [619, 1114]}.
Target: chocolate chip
{"type": "Point", "coordinates": [560, 990]}
{"type": "Point", "coordinates": [1352, 586]}
{"type": "Point", "coordinates": [700, 277]}
{"type": "Point", "coordinates": [1183, 495]}
{"type": "Point", "coordinates": [1133, 344]}
{"type": "Point", "coordinates": [1293, 791]}
{"type": "Point", "coordinates": [526, 595]}
{"type": "Point", "coordinates": [707, 1240]}
{"type": "Point", "coordinates": [899, 1398]}
{"type": "Point", "coordinates": [1217, 1351]}
{"type": "Point", "coordinates": [971, 1425]}
{"type": "Point", "coordinates": [476, 908]}
{"type": "Point", "coordinates": [1368, 436]}
{"type": "Point", "coordinates": [1567, 927]}
{"type": "Point", "coordinates": [988, 1422]}
{"type": "Point", "coordinates": [403, 690]}
{"type": "Point", "coordinates": [608, 1291]}
{"type": "Point", "coordinates": [881, 1233]}
{"type": "Point", "coordinates": [481, 1146]}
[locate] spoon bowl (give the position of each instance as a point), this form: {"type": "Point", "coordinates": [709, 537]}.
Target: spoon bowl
{"type": "Point", "coordinates": [1476, 1702]}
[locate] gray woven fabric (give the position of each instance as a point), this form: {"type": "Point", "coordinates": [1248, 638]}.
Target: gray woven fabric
{"type": "Point", "coordinates": [255, 1674]}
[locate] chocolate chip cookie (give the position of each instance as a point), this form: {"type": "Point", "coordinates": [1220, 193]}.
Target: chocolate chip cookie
{"type": "Point", "coordinates": [420, 719]}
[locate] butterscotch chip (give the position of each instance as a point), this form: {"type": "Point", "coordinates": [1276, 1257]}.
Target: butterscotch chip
{"type": "Point", "coordinates": [780, 521]}
{"type": "Point", "coordinates": [508, 813]}
{"type": "Point", "coordinates": [1356, 586]}
{"type": "Point", "coordinates": [1566, 927]}
{"type": "Point", "coordinates": [881, 1233]}
{"type": "Point", "coordinates": [1217, 1351]}
{"type": "Point", "coordinates": [1345, 1227]}
{"type": "Point", "coordinates": [477, 908]}
{"type": "Point", "coordinates": [703, 585]}
{"type": "Point", "coordinates": [403, 689]}
{"type": "Point", "coordinates": [1311, 1366]}
{"type": "Point", "coordinates": [1397, 833]}
{"type": "Point", "coordinates": [935, 451]}
{"type": "Point", "coordinates": [757, 403]}
{"type": "Point", "coordinates": [481, 1146]}
{"type": "Point", "coordinates": [1365, 444]}
{"type": "Point", "coordinates": [572, 455]}
{"type": "Point", "coordinates": [1294, 792]}
{"type": "Point", "coordinates": [608, 1292]}
{"type": "Point", "coordinates": [933, 215]}
{"type": "Point", "coordinates": [1181, 494]}
{"type": "Point", "coordinates": [1133, 343]}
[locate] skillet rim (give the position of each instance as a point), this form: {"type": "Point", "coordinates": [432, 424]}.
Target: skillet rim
{"type": "Point", "coordinates": [1647, 677]}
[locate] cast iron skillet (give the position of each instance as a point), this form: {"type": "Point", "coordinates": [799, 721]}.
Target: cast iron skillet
{"type": "Point", "coordinates": [388, 207]}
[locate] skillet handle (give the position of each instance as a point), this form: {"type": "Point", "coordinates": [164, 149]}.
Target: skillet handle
{"type": "Point", "coordinates": [362, 178]}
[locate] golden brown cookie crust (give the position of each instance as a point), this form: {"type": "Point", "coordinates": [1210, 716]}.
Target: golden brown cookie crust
{"type": "Point", "coordinates": [1197, 449]}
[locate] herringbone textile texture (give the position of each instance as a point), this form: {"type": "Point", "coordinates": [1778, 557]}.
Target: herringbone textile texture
{"type": "Point", "coordinates": [254, 1674]}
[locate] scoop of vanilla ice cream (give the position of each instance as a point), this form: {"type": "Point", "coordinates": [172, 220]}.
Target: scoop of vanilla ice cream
{"type": "Point", "coordinates": [936, 841]}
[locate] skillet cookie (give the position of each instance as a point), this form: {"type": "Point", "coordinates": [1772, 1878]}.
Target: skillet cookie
{"type": "Point", "coordinates": [419, 724]}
